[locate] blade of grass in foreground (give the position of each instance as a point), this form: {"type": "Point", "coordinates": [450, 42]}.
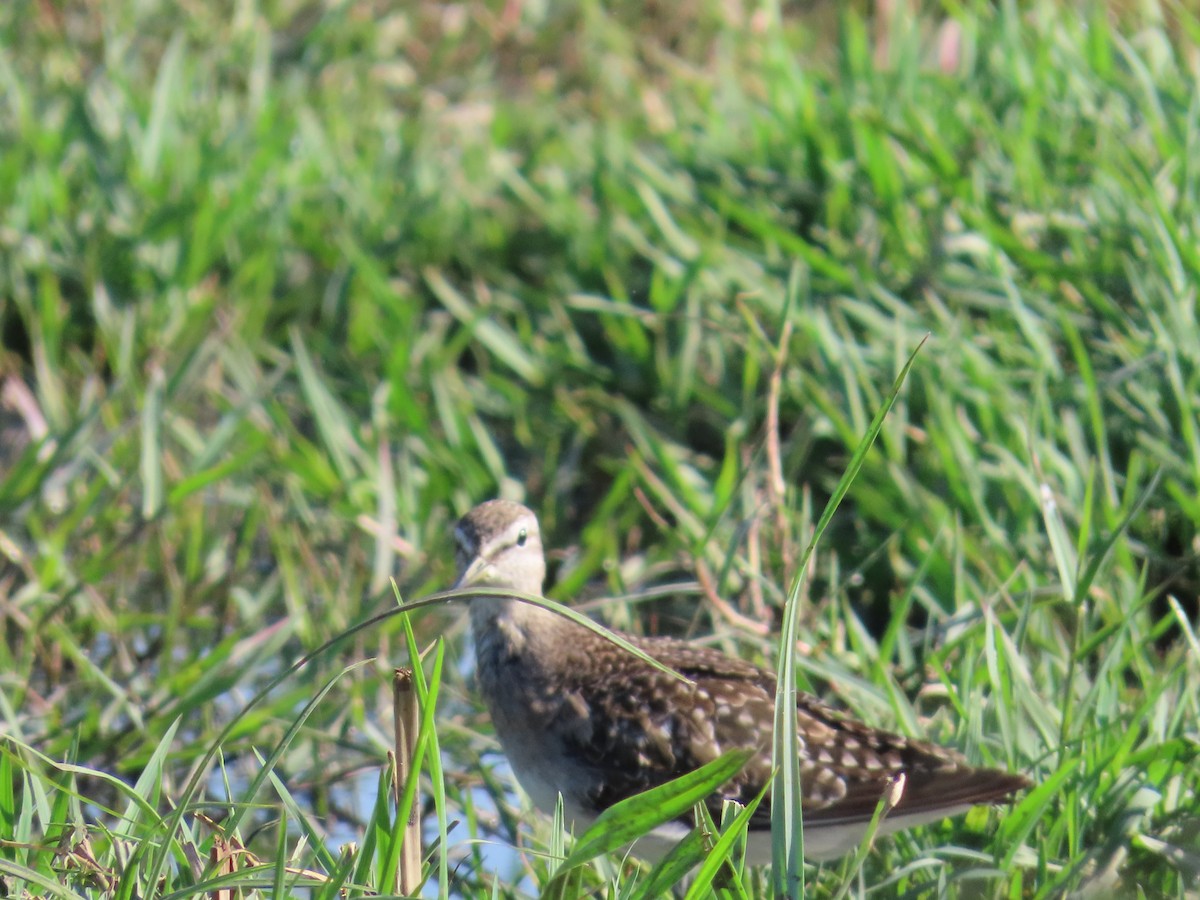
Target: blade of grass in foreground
{"type": "Point", "coordinates": [426, 738]}
{"type": "Point", "coordinates": [637, 816]}
{"type": "Point", "coordinates": [52, 888]}
{"type": "Point", "coordinates": [427, 692]}
{"type": "Point", "coordinates": [787, 844]}
{"type": "Point", "coordinates": [720, 854]}
{"type": "Point", "coordinates": [684, 857]}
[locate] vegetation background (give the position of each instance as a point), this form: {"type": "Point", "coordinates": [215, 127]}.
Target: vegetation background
{"type": "Point", "coordinates": [287, 286]}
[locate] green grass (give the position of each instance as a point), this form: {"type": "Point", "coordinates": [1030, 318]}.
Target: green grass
{"type": "Point", "coordinates": [279, 283]}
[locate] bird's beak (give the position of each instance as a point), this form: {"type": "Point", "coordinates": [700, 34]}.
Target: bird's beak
{"type": "Point", "coordinates": [473, 573]}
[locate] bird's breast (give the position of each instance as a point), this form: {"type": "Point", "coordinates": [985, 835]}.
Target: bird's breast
{"type": "Point", "coordinates": [534, 706]}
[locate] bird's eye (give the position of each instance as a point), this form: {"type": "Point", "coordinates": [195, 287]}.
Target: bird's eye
{"type": "Point", "coordinates": [521, 538]}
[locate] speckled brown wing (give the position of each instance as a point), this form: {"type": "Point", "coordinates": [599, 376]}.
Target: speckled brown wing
{"type": "Point", "coordinates": [853, 765]}
{"type": "Point", "coordinates": [642, 728]}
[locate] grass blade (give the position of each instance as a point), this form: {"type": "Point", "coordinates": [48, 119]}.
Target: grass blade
{"type": "Point", "coordinates": [787, 850]}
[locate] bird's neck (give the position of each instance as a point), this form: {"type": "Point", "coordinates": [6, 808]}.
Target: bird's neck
{"type": "Point", "coordinates": [514, 627]}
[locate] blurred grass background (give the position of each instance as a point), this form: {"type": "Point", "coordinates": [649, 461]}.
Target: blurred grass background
{"type": "Point", "coordinates": [286, 287]}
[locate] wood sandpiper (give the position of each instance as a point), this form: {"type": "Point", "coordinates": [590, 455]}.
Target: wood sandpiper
{"type": "Point", "coordinates": [578, 716]}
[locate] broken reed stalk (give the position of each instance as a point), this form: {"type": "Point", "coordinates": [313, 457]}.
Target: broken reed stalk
{"type": "Point", "coordinates": [404, 705]}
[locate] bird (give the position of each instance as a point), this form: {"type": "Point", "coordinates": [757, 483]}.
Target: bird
{"type": "Point", "coordinates": [580, 717]}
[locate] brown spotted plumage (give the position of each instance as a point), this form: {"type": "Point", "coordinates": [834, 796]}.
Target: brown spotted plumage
{"type": "Point", "coordinates": [576, 715]}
